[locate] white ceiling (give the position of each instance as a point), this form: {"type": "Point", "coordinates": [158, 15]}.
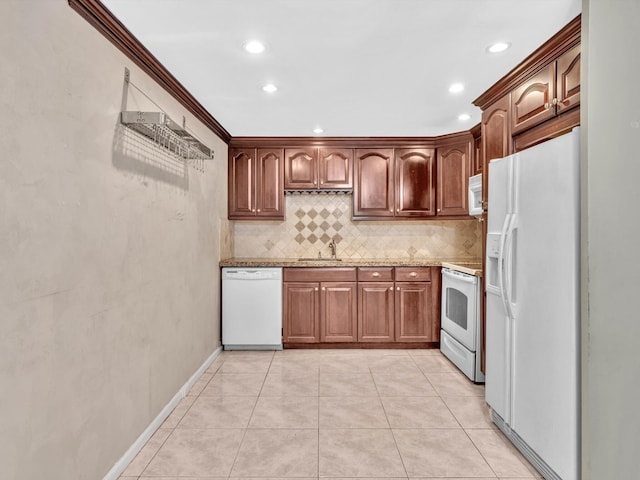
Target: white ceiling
{"type": "Point", "coordinates": [353, 67]}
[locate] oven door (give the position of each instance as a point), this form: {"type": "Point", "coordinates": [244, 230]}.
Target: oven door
{"type": "Point", "coordinates": [460, 307]}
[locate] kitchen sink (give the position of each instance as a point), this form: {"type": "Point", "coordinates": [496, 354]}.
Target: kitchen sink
{"type": "Point", "coordinates": [316, 259]}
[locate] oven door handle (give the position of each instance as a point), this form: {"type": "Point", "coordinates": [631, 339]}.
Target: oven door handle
{"type": "Point", "coordinates": [460, 277]}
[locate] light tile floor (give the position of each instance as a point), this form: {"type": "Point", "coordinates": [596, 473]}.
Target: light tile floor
{"type": "Point", "coordinates": [330, 413]}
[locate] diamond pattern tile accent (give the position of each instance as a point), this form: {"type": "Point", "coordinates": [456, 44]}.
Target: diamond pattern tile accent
{"type": "Point", "coordinates": [314, 220]}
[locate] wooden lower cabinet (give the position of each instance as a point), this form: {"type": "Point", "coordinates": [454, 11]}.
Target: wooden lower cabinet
{"type": "Point", "coordinates": [328, 305]}
{"type": "Point", "coordinates": [338, 312]}
{"type": "Point", "coordinates": [413, 312]}
{"type": "Point", "coordinates": [301, 312]}
{"type": "Point", "coordinates": [375, 312]}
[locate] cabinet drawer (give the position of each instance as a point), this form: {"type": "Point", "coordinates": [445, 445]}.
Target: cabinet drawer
{"type": "Point", "coordinates": [413, 274]}
{"type": "Point", "coordinates": [375, 274]}
{"type": "Point", "coordinates": [310, 274]}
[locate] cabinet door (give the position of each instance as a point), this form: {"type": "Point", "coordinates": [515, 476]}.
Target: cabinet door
{"type": "Point", "coordinates": [496, 137]}
{"type": "Point", "coordinates": [300, 170]}
{"type": "Point", "coordinates": [241, 201]}
{"type": "Point", "coordinates": [301, 311]}
{"type": "Point", "coordinates": [269, 183]}
{"type": "Point", "coordinates": [477, 156]}
{"type": "Point", "coordinates": [453, 179]}
{"type": "Point", "coordinates": [375, 312]}
{"type": "Point", "coordinates": [415, 182]}
{"type": "Point", "coordinates": [338, 312]}
{"type": "Point", "coordinates": [532, 102]}
{"type": "Point", "coordinates": [568, 80]}
{"type": "Point", "coordinates": [373, 189]}
{"type": "Point", "coordinates": [335, 168]}
{"type": "Point", "coordinates": [413, 312]}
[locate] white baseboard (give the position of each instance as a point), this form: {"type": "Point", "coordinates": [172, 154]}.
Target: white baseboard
{"type": "Point", "coordinates": [133, 450]}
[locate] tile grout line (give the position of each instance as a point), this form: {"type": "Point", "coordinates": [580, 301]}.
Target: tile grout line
{"type": "Point", "coordinates": [244, 432]}
{"type": "Point", "coordinates": [395, 442]}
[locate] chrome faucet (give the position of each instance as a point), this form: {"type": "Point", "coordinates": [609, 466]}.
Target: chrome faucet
{"type": "Point", "coordinates": [332, 246]}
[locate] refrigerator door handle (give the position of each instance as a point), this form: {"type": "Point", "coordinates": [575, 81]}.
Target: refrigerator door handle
{"type": "Point", "coordinates": [508, 268]}
{"type": "Point", "coordinates": [501, 259]}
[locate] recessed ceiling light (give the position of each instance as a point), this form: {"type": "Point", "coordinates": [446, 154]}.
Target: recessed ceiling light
{"type": "Point", "coordinates": [270, 88]}
{"type": "Point", "coordinates": [498, 47]}
{"type": "Point", "coordinates": [464, 117]}
{"type": "Point", "coordinates": [456, 88]}
{"type": "Point", "coordinates": [318, 130]}
{"type": "Point", "coordinates": [254, 46]}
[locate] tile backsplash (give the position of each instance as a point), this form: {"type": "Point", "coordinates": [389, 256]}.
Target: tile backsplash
{"type": "Point", "coordinates": [312, 220]}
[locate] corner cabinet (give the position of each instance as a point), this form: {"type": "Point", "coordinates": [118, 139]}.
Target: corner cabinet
{"type": "Point", "coordinates": [453, 164]}
{"type": "Point", "coordinates": [256, 187]}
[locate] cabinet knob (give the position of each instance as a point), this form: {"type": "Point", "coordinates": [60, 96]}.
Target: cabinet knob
{"type": "Point", "coordinates": [397, 210]}
{"type": "Point", "coordinates": [253, 210]}
{"type": "Point", "coordinates": [258, 210]}
{"type": "Point", "coordinates": [391, 210]}
{"type": "Point", "coordinates": [375, 274]}
{"type": "Point", "coordinates": [546, 106]}
{"type": "Point", "coordinates": [316, 289]}
{"type": "Point", "coordinates": [391, 288]}
{"type": "Point", "coordinates": [323, 288]}
{"type": "Point", "coordinates": [321, 183]}
{"type": "Point", "coordinates": [555, 101]}
{"type": "Point", "coordinates": [439, 209]}
{"type": "Point", "coordinates": [398, 288]}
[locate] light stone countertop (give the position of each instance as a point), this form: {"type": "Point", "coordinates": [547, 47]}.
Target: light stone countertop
{"type": "Point", "coordinates": [470, 268]}
{"type": "Point", "coordinates": [348, 262]}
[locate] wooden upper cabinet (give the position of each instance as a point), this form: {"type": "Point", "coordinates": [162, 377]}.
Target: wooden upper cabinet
{"type": "Point", "coordinates": [373, 188]}
{"type": "Point", "coordinates": [476, 151]}
{"type": "Point", "coordinates": [269, 183]}
{"type": "Point", "coordinates": [335, 168]}
{"type": "Point", "coordinates": [313, 168]}
{"type": "Point", "coordinates": [415, 192]}
{"type": "Point", "coordinates": [300, 168]}
{"type": "Point", "coordinates": [453, 179]}
{"type": "Point", "coordinates": [552, 91]}
{"type": "Point", "coordinates": [241, 202]}
{"type": "Point", "coordinates": [532, 102]}
{"type": "Point", "coordinates": [256, 183]}
{"type": "Point", "coordinates": [568, 79]}
{"type": "Point", "coordinates": [496, 137]}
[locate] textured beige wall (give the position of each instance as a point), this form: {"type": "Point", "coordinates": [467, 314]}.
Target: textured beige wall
{"type": "Point", "coordinates": [108, 250]}
{"type": "Point", "coordinates": [611, 319]}
{"type": "Point", "coordinates": [313, 220]}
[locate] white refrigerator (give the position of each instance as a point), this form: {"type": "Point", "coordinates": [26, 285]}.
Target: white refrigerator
{"type": "Point", "coordinates": [532, 303]}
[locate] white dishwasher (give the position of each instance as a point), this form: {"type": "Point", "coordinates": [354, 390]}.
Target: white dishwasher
{"type": "Point", "coordinates": [252, 308]}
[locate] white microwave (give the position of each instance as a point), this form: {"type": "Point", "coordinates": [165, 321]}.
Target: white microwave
{"type": "Point", "coordinates": [475, 195]}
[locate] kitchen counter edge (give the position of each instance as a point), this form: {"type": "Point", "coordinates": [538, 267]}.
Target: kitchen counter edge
{"type": "Point", "coordinates": [345, 262]}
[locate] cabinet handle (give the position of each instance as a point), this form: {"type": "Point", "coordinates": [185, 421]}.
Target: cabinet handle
{"type": "Point", "coordinates": [375, 274]}
{"type": "Point", "coordinates": [391, 288]}
{"type": "Point", "coordinates": [316, 289]}
{"type": "Point", "coordinates": [258, 210]}
{"type": "Point", "coordinates": [546, 106]}
{"type": "Point", "coordinates": [253, 210]}
{"type": "Point", "coordinates": [391, 210]}
{"type": "Point", "coordinates": [397, 288]}
{"type": "Point", "coordinates": [323, 288]}
{"type": "Point", "coordinates": [555, 101]}
{"type": "Point", "coordinates": [413, 274]}
{"type": "Point", "coordinates": [397, 210]}
{"type": "Point", "coordinates": [321, 183]}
